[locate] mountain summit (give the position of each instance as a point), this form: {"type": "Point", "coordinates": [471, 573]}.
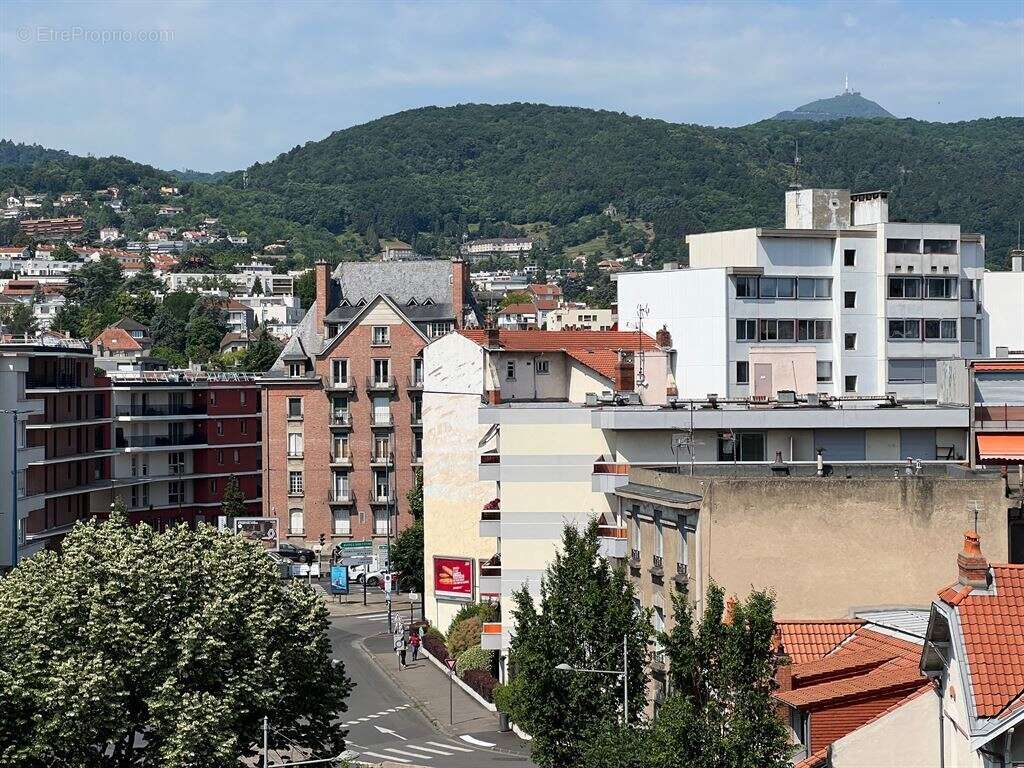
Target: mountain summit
{"type": "Point", "coordinates": [846, 104]}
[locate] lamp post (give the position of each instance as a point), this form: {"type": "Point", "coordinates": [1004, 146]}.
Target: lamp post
{"type": "Point", "coordinates": [623, 673]}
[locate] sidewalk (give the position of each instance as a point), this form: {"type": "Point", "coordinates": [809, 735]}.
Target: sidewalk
{"type": "Point", "coordinates": [352, 604]}
{"type": "Point", "coordinates": [428, 688]}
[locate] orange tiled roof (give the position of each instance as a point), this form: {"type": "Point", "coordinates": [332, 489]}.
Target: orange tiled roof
{"type": "Point", "coordinates": [117, 339]}
{"type": "Point", "coordinates": [810, 640]}
{"type": "Point", "coordinates": [817, 759]}
{"type": "Point", "coordinates": [518, 309]}
{"type": "Point", "coordinates": [889, 676]}
{"type": "Point", "coordinates": [993, 630]}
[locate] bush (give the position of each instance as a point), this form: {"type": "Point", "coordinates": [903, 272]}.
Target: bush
{"type": "Point", "coordinates": [502, 698]}
{"type": "Point", "coordinates": [481, 681]}
{"type": "Point", "coordinates": [435, 633]}
{"type": "Point", "coordinates": [473, 658]}
{"type": "Point", "coordinates": [464, 635]}
{"type": "Point", "coordinates": [436, 648]}
{"type": "Point", "coordinates": [482, 611]}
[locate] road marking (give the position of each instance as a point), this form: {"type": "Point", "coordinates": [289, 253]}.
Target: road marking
{"type": "Point", "coordinates": [407, 754]}
{"type": "Point", "coordinates": [363, 719]}
{"type": "Point", "coordinates": [385, 757]}
{"type": "Point", "coordinates": [449, 747]}
{"type": "Point", "coordinates": [471, 740]}
{"type": "Point", "coordinates": [396, 735]}
{"type": "Point", "coordinates": [428, 749]}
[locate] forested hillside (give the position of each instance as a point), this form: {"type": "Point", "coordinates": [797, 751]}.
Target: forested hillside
{"type": "Point", "coordinates": [429, 175]}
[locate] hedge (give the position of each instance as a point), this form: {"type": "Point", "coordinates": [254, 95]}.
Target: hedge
{"type": "Point", "coordinates": [481, 681]}
{"type": "Point", "coordinates": [436, 648]}
{"type": "Point", "coordinates": [473, 658]}
{"type": "Point", "coordinates": [464, 635]}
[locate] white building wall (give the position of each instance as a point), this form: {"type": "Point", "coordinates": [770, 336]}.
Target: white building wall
{"type": "Point", "coordinates": [1003, 303]}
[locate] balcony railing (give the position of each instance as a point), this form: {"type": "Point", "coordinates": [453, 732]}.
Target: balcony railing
{"type": "Point", "coordinates": [490, 567]}
{"type": "Point", "coordinates": [344, 458]}
{"type": "Point", "coordinates": [490, 458]}
{"type": "Point", "coordinates": [414, 382]}
{"type": "Point", "coordinates": [161, 410]}
{"type": "Point", "coordinates": [634, 556]}
{"type": "Point", "coordinates": [158, 441]}
{"type": "Point", "coordinates": [373, 384]}
{"type": "Point", "coordinates": [376, 498]}
{"type": "Point", "coordinates": [341, 384]}
{"type": "Point", "coordinates": [658, 566]}
{"type": "Point", "coordinates": [341, 419]}
{"type": "Point", "coordinates": [682, 577]}
{"type": "Point", "coordinates": [383, 420]}
{"type": "Point", "coordinates": [339, 496]}
{"type": "Point", "coordinates": [416, 419]}
{"type": "Point", "coordinates": [383, 460]}
{"type": "Point", "coordinates": [54, 381]}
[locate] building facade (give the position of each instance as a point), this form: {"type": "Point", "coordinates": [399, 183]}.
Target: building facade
{"type": "Point", "coordinates": [842, 301]}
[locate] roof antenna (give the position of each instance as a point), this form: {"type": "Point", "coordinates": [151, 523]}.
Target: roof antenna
{"type": "Point", "coordinates": [642, 310]}
{"type": "Point", "coordinates": [846, 85]}
{"type": "Point", "coordinates": [796, 167]}
{"type": "Point", "coordinates": [975, 509]}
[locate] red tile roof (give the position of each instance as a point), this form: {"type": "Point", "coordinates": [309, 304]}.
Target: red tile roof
{"type": "Point", "coordinates": [116, 339]}
{"type": "Point", "coordinates": [805, 641]}
{"type": "Point", "coordinates": [993, 631]}
{"type": "Point", "coordinates": [518, 309]}
{"type": "Point", "coordinates": [818, 759]}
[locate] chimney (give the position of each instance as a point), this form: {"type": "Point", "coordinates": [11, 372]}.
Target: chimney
{"type": "Point", "coordinates": [624, 372]}
{"type": "Point", "coordinates": [322, 276]}
{"type": "Point", "coordinates": [663, 337]}
{"type": "Point", "coordinates": [971, 563]}
{"type": "Point", "coordinates": [1017, 260]}
{"type": "Point", "coordinates": [460, 279]}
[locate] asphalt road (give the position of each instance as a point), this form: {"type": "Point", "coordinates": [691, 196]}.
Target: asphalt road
{"type": "Point", "coordinates": [384, 725]}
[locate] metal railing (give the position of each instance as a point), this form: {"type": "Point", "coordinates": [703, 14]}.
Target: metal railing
{"type": "Point", "coordinates": [341, 419]}
{"type": "Point", "coordinates": [161, 410]}
{"type": "Point", "coordinates": [339, 496]}
{"type": "Point", "coordinates": [634, 555]}
{"type": "Point", "coordinates": [383, 420]}
{"type": "Point", "coordinates": [414, 382]}
{"type": "Point", "coordinates": [372, 383]}
{"type": "Point", "coordinates": [158, 441]}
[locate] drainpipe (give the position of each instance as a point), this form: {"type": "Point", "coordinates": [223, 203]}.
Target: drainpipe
{"type": "Point", "coordinates": [942, 726]}
{"type": "Point", "coordinates": [1007, 746]}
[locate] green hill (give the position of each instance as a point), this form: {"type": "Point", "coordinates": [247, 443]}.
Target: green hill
{"type": "Point", "coordinates": [845, 105]}
{"type": "Point", "coordinates": [432, 174]}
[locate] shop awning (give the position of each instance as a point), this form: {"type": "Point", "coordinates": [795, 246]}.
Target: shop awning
{"type": "Point", "coordinates": [1001, 448]}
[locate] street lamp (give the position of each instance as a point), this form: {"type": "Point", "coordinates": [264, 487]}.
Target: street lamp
{"type": "Point", "coordinates": [623, 673]}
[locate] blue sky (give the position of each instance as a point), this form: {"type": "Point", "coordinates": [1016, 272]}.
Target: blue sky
{"type": "Point", "coordinates": [220, 85]}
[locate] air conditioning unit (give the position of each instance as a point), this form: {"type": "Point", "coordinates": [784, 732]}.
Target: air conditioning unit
{"type": "Point", "coordinates": [812, 399]}
{"type": "Point", "coordinates": [591, 399]}
{"type": "Point", "coordinates": [786, 397]}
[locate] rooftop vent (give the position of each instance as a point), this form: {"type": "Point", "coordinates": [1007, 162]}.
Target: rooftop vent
{"type": "Point", "coordinates": [786, 397]}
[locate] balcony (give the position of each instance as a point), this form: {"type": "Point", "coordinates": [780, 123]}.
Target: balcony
{"type": "Point", "coordinates": [159, 441]}
{"type": "Point", "coordinates": [490, 576]}
{"type": "Point", "coordinates": [339, 496]}
{"type": "Point", "coordinates": [609, 476]}
{"type": "Point", "coordinates": [416, 420]}
{"type": "Point", "coordinates": [378, 499]}
{"type": "Point", "coordinates": [56, 381]}
{"type": "Point", "coordinates": [658, 567]}
{"type": "Point", "coordinates": [340, 385]}
{"type": "Point", "coordinates": [373, 384]}
{"type": "Point", "coordinates": [341, 419]}
{"type": "Point", "coordinates": [345, 460]}
{"type": "Point", "coordinates": [414, 383]}
{"type": "Point", "coordinates": [490, 466]}
{"type": "Point", "coordinates": [387, 460]}
{"type": "Point", "coordinates": [612, 541]}
{"type": "Point", "coordinates": [196, 409]}
{"type": "Point", "coordinates": [383, 421]}
{"type": "Point", "coordinates": [682, 577]}
{"type": "Point", "coordinates": [490, 636]}
{"type": "Point", "coordinates": [490, 519]}
{"type": "Point", "coordinates": [634, 560]}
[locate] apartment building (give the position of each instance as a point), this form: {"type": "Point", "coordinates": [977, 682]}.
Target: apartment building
{"type": "Point", "coordinates": [178, 437]}
{"type": "Point", "coordinates": [1004, 309]}
{"type": "Point", "coordinates": [841, 300]}
{"type": "Point", "coordinates": [479, 250]}
{"type": "Point", "coordinates": [506, 407]}
{"type": "Point", "coordinates": [580, 319]}
{"type": "Point", "coordinates": [46, 229]}
{"type": "Point", "coordinates": [343, 402]}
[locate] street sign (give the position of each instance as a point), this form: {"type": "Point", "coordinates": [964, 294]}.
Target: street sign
{"type": "Point", "coordinates": [387, 584]}
{"type": "Point", "coordinates": [356, 545]}
{"type": "Point", "coordinates": [451, 664]}
{"type": "Point", "coordinates": [414, 597]}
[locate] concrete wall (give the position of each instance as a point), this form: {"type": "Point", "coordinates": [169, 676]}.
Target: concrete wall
{"type": "Point", "coordinates": [1004, 311]}
{"type": "Point", "coordinates": [908, 737]}
{"type": "Point", "coordinates": [831, 545]}
{"type": "Point", "coordinates": [734, 248]}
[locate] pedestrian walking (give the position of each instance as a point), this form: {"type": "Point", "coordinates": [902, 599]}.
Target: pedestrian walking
{"type": "Point", "coordinates": [414, 641]}
{"type": "Point", "coordinates": [401, 647]}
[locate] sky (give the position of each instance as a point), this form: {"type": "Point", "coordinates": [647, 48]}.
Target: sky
{"type": "Point", "coordinates": [221, 85]}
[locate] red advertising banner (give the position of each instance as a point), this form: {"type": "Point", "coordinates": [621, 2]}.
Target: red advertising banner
{"type": "Point", "coordinates": [453, 577]}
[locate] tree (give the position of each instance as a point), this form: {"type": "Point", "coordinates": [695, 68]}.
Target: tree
{"type": "Point", "coordinates": [233, 501]}
{"type": "Point", "coordinates": [262, 352]}
{"type": "Point", "coordinates": [170, 320]}
{"type": "Point", "coordinates": [186, 637]}
{"type": "Point", "coordinates": [206, 327]}
{"type": "Point", "coordinates": [415, 496]}
{"type": "Point", "coordinates": [515, 297]}
{"type": "Point", "coordinates": [407, 550]}
{"type": "Point", "coordinates": [585, 609]}
{"type": "Point", "coordinates": [18, 319]}
{"type": "Point", "coordinates": [257, 288]}
{"type": "Point", "coordinates": [305, 289]}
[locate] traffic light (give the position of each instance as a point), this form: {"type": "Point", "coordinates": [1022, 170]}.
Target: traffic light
{"type": "Point", "coordinates": [323, 539]}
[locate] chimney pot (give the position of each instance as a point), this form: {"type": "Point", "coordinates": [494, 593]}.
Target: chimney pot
{"type": "Point", "coordinates": [663, 337]}
{"type": "Point", "coordinates": [971, 563]}
{"type": "Point", "coordinates": [625, 378]}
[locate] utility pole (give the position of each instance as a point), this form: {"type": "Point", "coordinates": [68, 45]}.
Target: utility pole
{"type": "Point", "coordinates": [266, 752]}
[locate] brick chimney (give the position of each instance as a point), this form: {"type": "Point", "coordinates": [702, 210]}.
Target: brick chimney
{"type": "Point", "coordinates": [322, 274]}
{"type": "Point", "coordinates": [460, 281]}
{"type": "Point", "coordinates": [663, 337]}
{"type": "Point", "coordinates": [624, 372]}
{"type": "Point", "coordinates": [971, 562]}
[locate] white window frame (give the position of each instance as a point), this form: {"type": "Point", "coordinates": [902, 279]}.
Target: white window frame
{"type": "Point", "coordinates": [296, 482]}
{"type": "Point", "coordinates": [381, 336]}
{"type": "Point", "coordinates": [341, 521]}
{"type": "Point", "coordinates": [543, 367]}
{"type": "Point", "coordinates": [296, 515]}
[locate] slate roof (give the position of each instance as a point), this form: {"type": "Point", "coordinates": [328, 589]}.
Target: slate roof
{"type": "Point", "coordinates": [398, 280]}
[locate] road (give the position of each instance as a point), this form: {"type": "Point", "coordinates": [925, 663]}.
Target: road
{"type": "Point", "coordinates": [384, 724]}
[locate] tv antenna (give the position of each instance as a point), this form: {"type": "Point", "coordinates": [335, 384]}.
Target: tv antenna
{"type": "Point", "coordinates": [796, 167]}
{"type": "Point", "coordinates": [846, 85]}
{"type": "Point", "coordinates": [974, 508]}
{"type": "Point", "coordinates": [639, 376]}
{"type": "Point", "coordinates": [684, 441]}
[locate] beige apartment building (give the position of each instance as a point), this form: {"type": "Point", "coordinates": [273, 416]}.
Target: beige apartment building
{"type": "Point", "coordinates": [580, 319]}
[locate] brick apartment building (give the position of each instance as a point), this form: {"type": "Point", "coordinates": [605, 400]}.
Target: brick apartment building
{"type": "Point", "coordinates": [49, 228]}
{"type": "Point", "coordinates": [343, 402]}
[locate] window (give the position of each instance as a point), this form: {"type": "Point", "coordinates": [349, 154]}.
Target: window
{"type": "Point", "coordinates": [381, 335]}
{"type": "Point", "coordinates": [175, 463]}
{"type": "Point", "coordinates": [941, 287]}
{"type": "Point", "coordinates": [635, 531]}
{"type": "Point", "coordinates": [849, 383]}
{"type": "Point", "coordinates": [814, 288]}
{"type": "Point", "coordinates": [381, 448]}
{"type": "Point", "coordinates": [824, 371]}
{"type": "Point", "coordinates": [339, 447]}
{"type": "Point", "coordinates": [742, 372]}
{"type": "Point", "coordinates": [295, 370]}
{"type": "Point", "coordinates": [902, 245]}
{"type": "Point", "coordinates": [966, 289]}
{"type": "Point", "coordinates": [213, 397]}
{"type": "Point", "coordinates": [235, 456]}
{"type": "Point", "coordinates": [339, 405]}
{"type": "Point", "coordinates": [296, 523]}
{"type": "Point", "coordinates": [778, 330]}
{"type": "Point", "coordinates": [382, 371]}
{"type": "Point", "coordinates": [746, 287]}
{"type": "Point", "coordinates": [543, 367]}
{"type": "Point", "coordinates": [777, 287]}
{"type": "Point", "coordinates": [746, 330]}
{"type": "Point", "coordinates": [339, 371]}
{"type": "Point", "coordinates": [294, 407]}
{"type": "Point", "coordinates": [241, 397]}
{"type": "Point", "coordinates": [381, 520]}
{"type": "Point", "coordinates": [745, 446]}
{"type": "Point", "coordinates": [417, 447]}
{"type": "Point", "coordinates": [381, 485]}
{"type": "Point", "coordinates": [967, 328]}
{"type": "Point", "coordinates": [911, 371]}
{"type": "Point", "coordinates": [295, 483]}
{"type": "Point", "coordinates": [947, 247]}
{"type": "Point", "coordinates": [904, 287]}
{"type": "Point", "coordinates": [220, 455]}
{"type": "Point", "coordinates": [904, 329]}
{"type": "Point", "coordinates": [659, 537]}
{"type": "Point", "coordinates": [944, 330]}
{"type": "Point", "coordinates": [814, 330]}
{"type": "Point", "coordinates": [295, 444]}
{"type": "Point", "coordinates": [850, 299]}
{"type": "Point", "coordinates": [510, 370]}
{"type": "Point", "coordinates": [416, 410]}
{"type": "Point", "coordinates": [341, 522]}
{"type": "Point", "coordinates": [849, 257]}
{"type": "Point", "coordinates": [175, 492]}
{"type": "Point", "coordinates": [683, 552]}
{"type": "Point", "coordinates": [382, 411]}
{"type": "Point", "coordinates": [417, 371]}
{"type": "Point", "coordinates": [849, 341]}
{"type": "Point", "coordinates": [437, 329]}
{"type": "Point", "coordinates": [213, 485]}
{"type": "Point", "coordinates": [220, 427]}
{"type": "Point", "coordinates": [243, 426]}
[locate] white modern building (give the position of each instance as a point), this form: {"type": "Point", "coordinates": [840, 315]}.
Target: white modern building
{"type": "Point", "coordinates": [840, 301]}
{"type": "Point", "coordinates": [1004, 309]}
{"type": "Point", "coordinates": [477, 250]}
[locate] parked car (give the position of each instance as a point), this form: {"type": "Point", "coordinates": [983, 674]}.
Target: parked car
{"type": "Point", "coordinates": [294, 553]}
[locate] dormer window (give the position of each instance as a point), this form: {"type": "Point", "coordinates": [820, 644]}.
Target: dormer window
{"type": "Point", "coordinates": [428, 302]}
{"type": "Point", "coordinates": [295, 370]}
{"type": "Point", "coordinates": [412, 302]}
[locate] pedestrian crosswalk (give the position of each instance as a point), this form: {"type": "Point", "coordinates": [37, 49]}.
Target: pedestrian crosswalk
{"type": "Point", "coordinates": [375, 715]}
{"type": "Point", "coordinates": [412, 753]}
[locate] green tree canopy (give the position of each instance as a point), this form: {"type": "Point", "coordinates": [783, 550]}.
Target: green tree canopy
{"type": "Point", "coordinates": [262, 352]}
{"type": "Point", "coordinates": [233, 500]}
{"type": "Point", "coordinates": [18, 319]}
{"type": "Point", "coordinates": [186, 637]}
{"type": "Point", "coordinates": [170, 320]}
{"type": "Point", "coordinates": [585, 610]}
{"type": "Point", "coordinates": [206, 326]}
{"type": "Point", "coordinates": [515, 297]}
